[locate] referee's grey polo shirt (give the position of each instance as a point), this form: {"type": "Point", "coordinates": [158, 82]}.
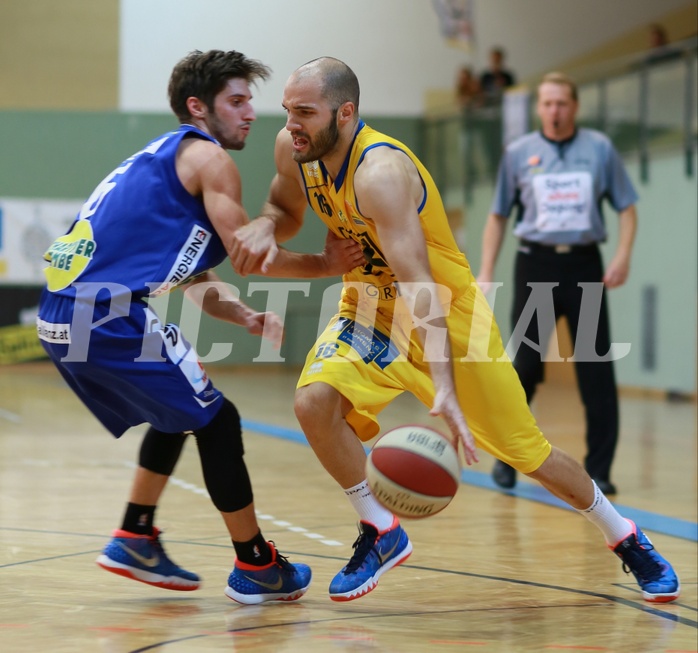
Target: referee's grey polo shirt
{"type": "Point", "coordinates": [559, 187]}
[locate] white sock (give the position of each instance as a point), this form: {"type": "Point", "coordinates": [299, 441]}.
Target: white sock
{"type": "Point", "coordinates": [607, 519]}
{"type": "Point", "coordinates": [368, 508]}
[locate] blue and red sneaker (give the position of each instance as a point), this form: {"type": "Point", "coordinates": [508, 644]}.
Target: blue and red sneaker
{"type": "Point", "coordinates": [654, 574]}
{"type": "Point", "coordinates": [142, 558]}
{"type": "Point", "coordinates": [277, 581]}
{"type": "Point", "coordinates": [375, 552]}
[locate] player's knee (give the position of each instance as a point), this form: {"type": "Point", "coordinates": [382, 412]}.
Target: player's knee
{"type": "Point", "coordinates": [303, 404]}
{"type": "Point", "coordinates": [311, 401]}
{"type": "Point", "coordinates": [223, 432]}
{"type": "Point", "coordinates": [221, 452]}
{"type": "Point", "coordinates": [160, 451]}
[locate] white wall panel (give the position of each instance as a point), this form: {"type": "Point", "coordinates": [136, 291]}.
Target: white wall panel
{"type": "Point", "coordinates": [394, 46]}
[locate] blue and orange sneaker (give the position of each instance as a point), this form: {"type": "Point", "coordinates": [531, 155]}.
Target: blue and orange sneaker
{"type": "Point", "coordinates": [653, 573]}
{"type": "Point", "coordinates": [277, 581]}
{"type": "Point", "coordinates": [375, 552]}
{"type": "Point", "coordinates": [142, 558]}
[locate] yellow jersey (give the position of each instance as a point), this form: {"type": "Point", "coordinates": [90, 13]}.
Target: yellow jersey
{"type": "Point", "coordinates": [360, 355]}
{"type": "Point", "coordinates": [335, 203]}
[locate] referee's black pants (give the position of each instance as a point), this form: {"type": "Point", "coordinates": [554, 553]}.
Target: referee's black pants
{"type": "Point", "coordinates": [596, 380]}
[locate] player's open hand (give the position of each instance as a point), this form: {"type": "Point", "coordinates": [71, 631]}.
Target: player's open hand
{"type": "Point", "coordinates": [341, 254]}
{"type": "Point", "coordinates": [446, 405]}
{"type": "Point", "coordinates": [268, 325]}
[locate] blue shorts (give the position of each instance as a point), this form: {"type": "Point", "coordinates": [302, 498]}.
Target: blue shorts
{"type": "Point", "coordinates": [129, 370]}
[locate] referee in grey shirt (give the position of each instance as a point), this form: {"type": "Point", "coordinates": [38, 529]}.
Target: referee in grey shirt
{"type": "Point", "coordinates": [558, 179]}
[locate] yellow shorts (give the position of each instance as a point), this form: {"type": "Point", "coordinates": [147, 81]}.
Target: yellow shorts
{"type": "Point", "coordinates": [367, 367]}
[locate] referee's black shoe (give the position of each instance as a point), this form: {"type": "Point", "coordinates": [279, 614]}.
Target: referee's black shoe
{"type": "Point", "coordinates": [504, 475]}
{"type": "Point", "coordinates": [605, 486]}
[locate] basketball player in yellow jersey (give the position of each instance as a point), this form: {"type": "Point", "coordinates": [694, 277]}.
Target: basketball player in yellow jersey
{"type": "Point", "coordinates": [370, 188]}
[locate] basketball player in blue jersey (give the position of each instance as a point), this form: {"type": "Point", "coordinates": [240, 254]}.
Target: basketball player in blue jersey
{"type": "Point", "coordinates": [164, 218]}
{"type": "Point", "coordinates": [370, 188]}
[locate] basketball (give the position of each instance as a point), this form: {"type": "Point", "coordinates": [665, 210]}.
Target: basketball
{"type": "Point", "coordinates": [413, 471]}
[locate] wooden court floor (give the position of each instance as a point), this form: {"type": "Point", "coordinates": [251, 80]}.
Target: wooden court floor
{"type": "Point", "coordinates": [495, 571]}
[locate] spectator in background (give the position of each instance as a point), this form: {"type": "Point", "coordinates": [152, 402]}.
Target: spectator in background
{"type": "Point", "coordinates": [468, 91]}
{"type": "Point", "coordinates": [488, 123]}
{"type": "Point", "coordinates": [494, 80]}
{"type": "Point", "coordinates": [658, 37]}
{"type": "Point", "coordinates": [660, 50]}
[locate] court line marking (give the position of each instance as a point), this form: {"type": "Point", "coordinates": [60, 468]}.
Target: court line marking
{"type": "Point", "coordinates": [192, 487]}
{"type": "Point", "coordinates": [411, 614]}
{"type": "Point", "coordinates": [58, 557]}
{"type": "Point", "coordinates": [298, 437]}
{"type": "Point", "coordinates": [10, 417]}
{"type": "Point", "coordinates": [405, 565]}
{"type": "Point", "coordinates": [651, 521]}
{"type": "Point", "coordinates": [637, 605]}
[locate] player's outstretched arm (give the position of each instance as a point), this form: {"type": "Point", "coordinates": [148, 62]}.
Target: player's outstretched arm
{"type": "Point", "coordinates": [339, 256]}
{"type": "Point", "coordinates": [389, 190]}
{"type": "Point", "coordinates": [217, 298]}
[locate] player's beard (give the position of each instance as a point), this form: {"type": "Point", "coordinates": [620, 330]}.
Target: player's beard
{"type": "Point", "coordinates": [229, 140]}
{"type": "Point", "coordinates": [323, 143]}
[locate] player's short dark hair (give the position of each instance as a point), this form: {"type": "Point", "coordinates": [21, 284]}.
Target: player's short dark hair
{"type": "Point", "coordinates": [204, 74]}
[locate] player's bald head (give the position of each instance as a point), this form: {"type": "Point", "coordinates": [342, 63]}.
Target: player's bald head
{"type": "Point", "coordinates": [337, 82]}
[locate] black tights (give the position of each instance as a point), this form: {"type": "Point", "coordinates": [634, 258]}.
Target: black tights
{"type": "Point", "coordinates": [220, 450]}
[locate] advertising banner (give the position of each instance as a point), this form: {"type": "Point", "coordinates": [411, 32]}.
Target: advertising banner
{"type": "Point", "coordinates": [27, 228]}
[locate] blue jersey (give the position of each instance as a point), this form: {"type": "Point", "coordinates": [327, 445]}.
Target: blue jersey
{"type": "Point", "coordinates": [141, 208]}
{"type": "Point", "coordinates": [140, 234]}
